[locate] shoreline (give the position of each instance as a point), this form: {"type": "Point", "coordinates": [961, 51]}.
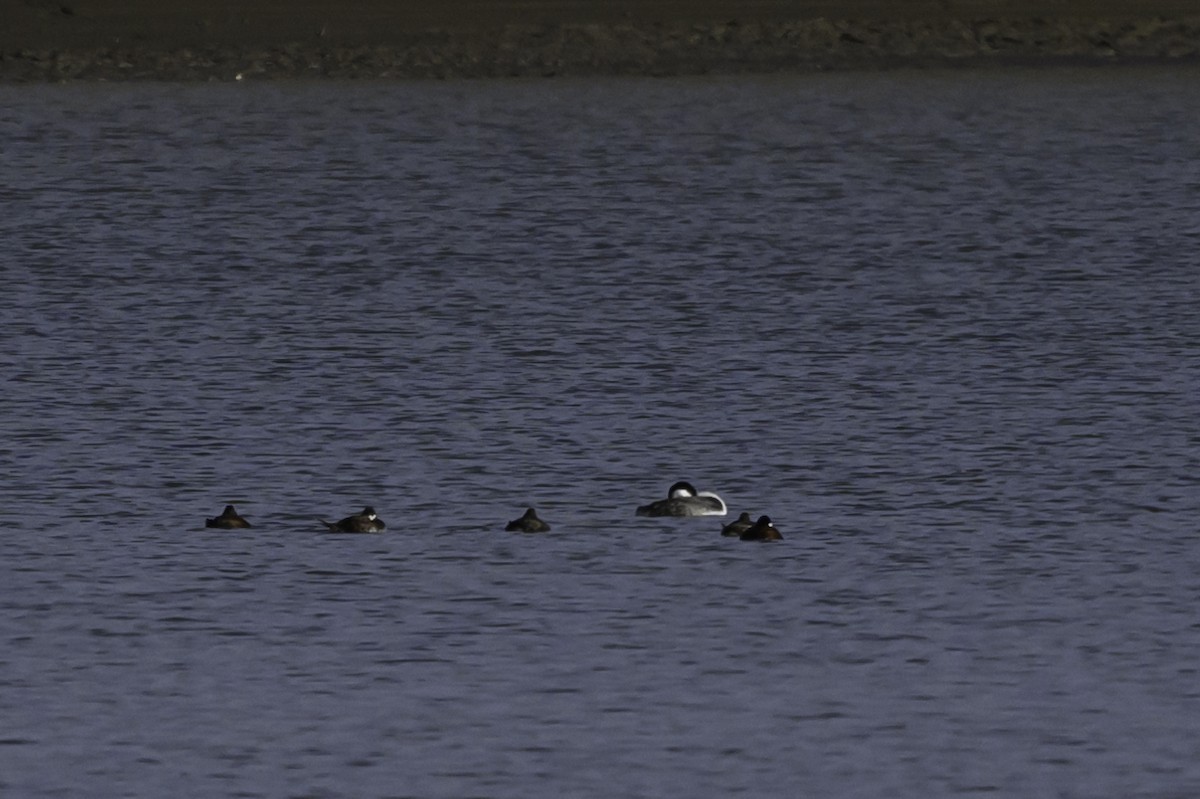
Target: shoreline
{"type": "Point", "coordinates": [60, 43]}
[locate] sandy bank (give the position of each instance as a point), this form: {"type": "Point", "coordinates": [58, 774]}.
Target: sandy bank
{"type": "Point", "coordinates": [196, 40]}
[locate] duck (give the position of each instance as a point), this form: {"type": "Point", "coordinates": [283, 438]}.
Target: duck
{"type": "Point", "coordinates": [738, 526]}
{"type": "Point", "coordinates": [529, 523]}
{"type": "Point", "coordinates": [228, 520]}
{"type": "Point", "coordinates": [684, 500]}
{"type": "Point", "coordinates": [762, 530]}
{"type": "Point", "coordinates": [366, 522]}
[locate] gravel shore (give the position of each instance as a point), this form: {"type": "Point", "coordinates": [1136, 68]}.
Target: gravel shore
{"type": "Point", "coordinates": [626, 46]}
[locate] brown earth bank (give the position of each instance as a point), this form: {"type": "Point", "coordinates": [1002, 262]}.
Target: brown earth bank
{"type": "Point", "coordinates": [197, 40]}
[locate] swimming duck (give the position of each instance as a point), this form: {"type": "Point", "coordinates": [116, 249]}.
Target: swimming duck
{"type": "Point", "coordinates": [365, 522]}
{"type": "Point", "coordinates": [529, 523]}
{"type": "Point", "coordinates": [228, 520]}
{"type": "Point", "coordinates": [738, 526]}
{"type": "Point", "coordinates": [762, 530]}
{"type": "Point", "coordinates": [684, 500]}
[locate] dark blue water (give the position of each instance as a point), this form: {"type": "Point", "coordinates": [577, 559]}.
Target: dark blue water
{"type": "Point", "coordinates": [942, 327]}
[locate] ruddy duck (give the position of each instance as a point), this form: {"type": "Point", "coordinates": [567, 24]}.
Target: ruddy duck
{"type": "Point", "coordinates": [365, 522]}
{"type": "Point", "coordinates": [684, 500]}
{"type": "Point", "coordinates": [228, 520]}
{"type": "Point", "coordinates": [738, 526]}
{"type": "Point", "coordinates": [762, 530]}
{"type": "Point", "coordinates": [529, 523]}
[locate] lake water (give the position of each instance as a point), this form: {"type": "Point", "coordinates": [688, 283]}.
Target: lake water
{"type": "Point", "coordinates": [942, 326]}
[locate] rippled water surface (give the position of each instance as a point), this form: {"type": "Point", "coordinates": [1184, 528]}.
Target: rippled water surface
{"type": "Point", "coordinates": [941, 327]}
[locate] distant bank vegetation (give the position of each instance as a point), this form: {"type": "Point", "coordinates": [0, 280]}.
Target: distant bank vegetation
{"type": "Point", "coordinates": [633, 49]}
